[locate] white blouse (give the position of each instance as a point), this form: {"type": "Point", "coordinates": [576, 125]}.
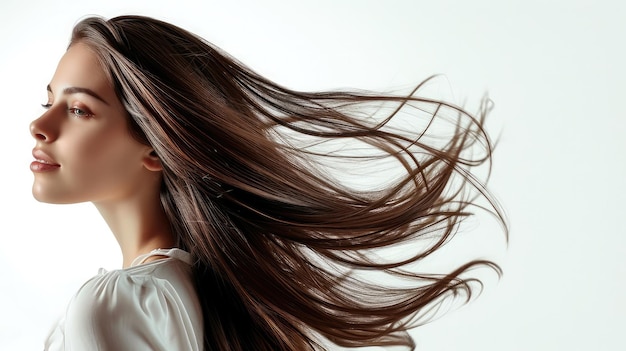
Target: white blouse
{"type": "Point", "coordinates": [148, 306]}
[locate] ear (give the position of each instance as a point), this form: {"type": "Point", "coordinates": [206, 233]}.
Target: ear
{"type": "Point", "coordinates": [151, 161]}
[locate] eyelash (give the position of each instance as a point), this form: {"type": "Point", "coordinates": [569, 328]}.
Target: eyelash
{"type": "Point", "coordinates": [85, 114]}
{"type": "Point", "coordinates": [72, 110]}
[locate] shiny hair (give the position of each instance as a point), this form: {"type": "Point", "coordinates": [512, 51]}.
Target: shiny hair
{"type": "Point", "coordinates": [282, 244]}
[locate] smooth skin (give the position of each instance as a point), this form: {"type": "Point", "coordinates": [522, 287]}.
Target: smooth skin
{"type": "Point", "coordinates": [84, 152]}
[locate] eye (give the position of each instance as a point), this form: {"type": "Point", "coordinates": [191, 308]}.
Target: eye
{"type": "Point", "coordinates": [46, 105]}
{"type": "Point", "coordinates": [80, 113]}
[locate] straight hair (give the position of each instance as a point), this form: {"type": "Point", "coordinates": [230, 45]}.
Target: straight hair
{"type": "Point", "coordinates": [281, 245]}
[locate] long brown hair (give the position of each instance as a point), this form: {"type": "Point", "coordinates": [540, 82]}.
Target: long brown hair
{"type": "Point", "coordinates": [279, 242]}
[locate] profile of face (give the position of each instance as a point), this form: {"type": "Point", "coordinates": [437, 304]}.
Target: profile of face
{"type": "Point", "coordinates": [84, 150]}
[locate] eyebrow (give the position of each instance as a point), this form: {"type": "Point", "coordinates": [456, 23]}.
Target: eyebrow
{"type": "Point", "coordinates": [78, 90]}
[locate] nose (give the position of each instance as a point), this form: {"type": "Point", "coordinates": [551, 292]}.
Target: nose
{"type": "Point", "coordinates": [36, 131]}
{"type": "Point", "coordinates": [42, 128]}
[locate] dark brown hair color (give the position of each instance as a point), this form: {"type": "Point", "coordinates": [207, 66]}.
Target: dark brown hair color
{"type": "Point", "coordinates": [282, 244]}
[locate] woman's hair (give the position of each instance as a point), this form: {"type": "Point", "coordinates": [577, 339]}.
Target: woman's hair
{"type": "Point", "coordinates": [284, 247]}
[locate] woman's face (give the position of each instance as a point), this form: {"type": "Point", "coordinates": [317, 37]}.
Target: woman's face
{"type": "Point", "coordinates": [84, 150]}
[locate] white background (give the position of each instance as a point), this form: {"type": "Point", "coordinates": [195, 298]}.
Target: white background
{"type": "Point", "coordinates": [555, 70]}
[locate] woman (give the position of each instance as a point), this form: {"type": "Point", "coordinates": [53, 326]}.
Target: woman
{"type": "Point", "coordinates": [217, 184]}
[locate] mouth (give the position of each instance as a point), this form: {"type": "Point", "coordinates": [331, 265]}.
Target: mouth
{"type": "Point", "coordinates": [43, 162]}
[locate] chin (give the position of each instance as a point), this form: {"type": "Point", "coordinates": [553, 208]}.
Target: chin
{"type": "Point", "coordinates": [44, 196]}
{"type": "Point", "coordinates": [44, 199]}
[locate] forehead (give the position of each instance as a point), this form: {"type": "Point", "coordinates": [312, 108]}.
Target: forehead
{"type": "Point", "coordinates": [80, 67]}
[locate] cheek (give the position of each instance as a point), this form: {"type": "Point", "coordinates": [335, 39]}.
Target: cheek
{"type": "Point", "coordinates": [108, 153]}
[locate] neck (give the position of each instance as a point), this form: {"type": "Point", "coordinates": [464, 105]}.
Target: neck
{"type": "Point", "coordinates": [139, 225]}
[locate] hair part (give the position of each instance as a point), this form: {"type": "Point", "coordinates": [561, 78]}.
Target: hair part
{"type": "Point", "coordinates": [277, 242]}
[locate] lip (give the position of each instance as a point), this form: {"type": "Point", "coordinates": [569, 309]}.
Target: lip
{"type": "Point", "coordinates": [43, 162]}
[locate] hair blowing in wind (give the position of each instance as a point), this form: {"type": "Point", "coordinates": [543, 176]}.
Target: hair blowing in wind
{"type": "Point", "coordinates": [281, 244]}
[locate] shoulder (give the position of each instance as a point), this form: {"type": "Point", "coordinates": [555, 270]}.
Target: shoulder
{"type": "Point", "coordinates": [126, 286]}
{"type": "Point", "coordinates": [119, 290]}
{"type": "Point", "coordinates": [153, 305]}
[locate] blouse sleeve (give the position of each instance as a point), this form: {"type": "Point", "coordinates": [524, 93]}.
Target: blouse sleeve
{"type": "Point", "coordinates": [119, 311]}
